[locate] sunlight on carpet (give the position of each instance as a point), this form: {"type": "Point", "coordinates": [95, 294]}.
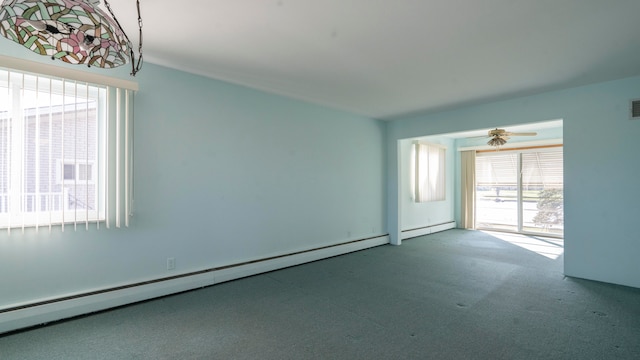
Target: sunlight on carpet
{"type": "Point", "coordinates": [548, 247]}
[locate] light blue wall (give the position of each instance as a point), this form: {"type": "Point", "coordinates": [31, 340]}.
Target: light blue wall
{"type": "Point", "coordinates": [601, 169]}
{"type": "Point", "coordinates": [223, 174]}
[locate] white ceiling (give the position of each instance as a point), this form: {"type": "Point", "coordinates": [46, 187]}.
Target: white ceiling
{"type": "Point", "coordinates": [385, 59]}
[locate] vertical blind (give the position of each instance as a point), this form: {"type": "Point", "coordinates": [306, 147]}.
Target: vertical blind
{"type": "Point", "coordinates": [65, 152]}
{"type": "Point", "coordinates": [429, 171]}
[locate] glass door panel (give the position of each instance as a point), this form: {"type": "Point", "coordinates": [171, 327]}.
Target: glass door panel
{"type": "Point", "coordinates": [542, 192]}
{"type": "Point", "coordinates": [497, 192]}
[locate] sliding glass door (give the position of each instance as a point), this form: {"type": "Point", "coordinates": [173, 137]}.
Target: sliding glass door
{"type": "Point", "coordinates": [520, 191]}
{"type": "Point", "coordinates": [497, 191]}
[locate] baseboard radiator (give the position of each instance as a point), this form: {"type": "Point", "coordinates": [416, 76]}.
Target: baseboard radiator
{"type": "Point", "coordinates": [49, 310]}
{"type": "Point", "coordinates": [426, 230]}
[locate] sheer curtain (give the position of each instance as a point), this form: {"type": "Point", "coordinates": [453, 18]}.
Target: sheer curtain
{"type": "Point", "coordinates": [468, 187]}
{"type": "Point", "coordinates": [429, 170]}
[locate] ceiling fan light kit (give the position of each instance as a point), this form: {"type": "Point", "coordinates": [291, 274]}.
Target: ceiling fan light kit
{"type": "Point", "coordinates": [74, 31]}
{"type": "Point", "coordinates": [499, 137]}
{"type": "Point", "coordinates": [496, 141]}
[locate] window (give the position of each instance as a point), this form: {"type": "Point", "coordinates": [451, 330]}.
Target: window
{"type": "Point", "coordinates": [64, 151]}
{"type": "Point", "coordinates": [72, 171]}
{"type": "Point", "coordinates": [69, 172]}
{"type": "Point", "coordinates": [429, 172]}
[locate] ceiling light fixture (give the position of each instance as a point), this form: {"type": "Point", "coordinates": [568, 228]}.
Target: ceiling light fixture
{"type": "Point", "coordinates": [74, 31]}
{"type": "Point", "coordinates": [496, 141]}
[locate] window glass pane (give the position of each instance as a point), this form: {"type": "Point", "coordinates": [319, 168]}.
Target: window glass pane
{"type": "Point", "coordinates": [69, 172]}
{"type": "Point", "coordinates": [84, 172]}
{"type": "Point", "coordinates": [49, 131]}
{"type": "Point", "coordinates": [532, 205]}
{"type": "Point", "coordinates": [55, 135]}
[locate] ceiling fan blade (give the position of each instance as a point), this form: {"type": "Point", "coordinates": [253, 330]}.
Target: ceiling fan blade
{"type": "Point", "coordinates": [521, 133]}
{"type": "Point", "coordinates": [493, 133]}
{"type": "Point", "coordinates": [477, 137]}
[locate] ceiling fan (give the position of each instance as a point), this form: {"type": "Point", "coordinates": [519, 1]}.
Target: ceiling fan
{"type": "Point", "coordinates": [499, 137]}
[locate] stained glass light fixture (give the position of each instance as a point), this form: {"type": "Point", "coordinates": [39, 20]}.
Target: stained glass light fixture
{"type": "Point", "coordinates": [74, 31]}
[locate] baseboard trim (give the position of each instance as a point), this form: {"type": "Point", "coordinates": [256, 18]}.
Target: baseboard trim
{"type": "Point", "coordinates": [426, 230]}
{"type": "Point", "coordinates": [49, 310]}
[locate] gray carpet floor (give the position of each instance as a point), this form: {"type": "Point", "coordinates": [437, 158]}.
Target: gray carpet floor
{"type": "Point", "coordinates": [452, 295]}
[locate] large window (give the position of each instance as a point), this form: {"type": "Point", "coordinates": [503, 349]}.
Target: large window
{"type": "Point", "coordinates": [429, 172]}
{"type": "Point", "coordinates": [520, 191]}
{"type": "Point", "coordinates": [60, 140]}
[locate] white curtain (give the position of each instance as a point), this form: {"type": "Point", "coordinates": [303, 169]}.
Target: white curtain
{"type": "Point", "coordinates": [429, 170]}
{"type": "Point", "coordinates": [468, 189]}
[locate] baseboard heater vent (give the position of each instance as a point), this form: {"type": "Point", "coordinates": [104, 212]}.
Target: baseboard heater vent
{"type": "Point", "coordinates": [426, 230]}
{"type": "Point", "coordinates": [45, 311]}
{"type": "Point", "coordinates": [635, 109]}
{"type": "Point", "coordinates": [164, 279]}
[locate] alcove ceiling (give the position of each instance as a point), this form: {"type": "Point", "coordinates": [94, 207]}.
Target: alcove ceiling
{"type": "Point", "coordinates": [388, 59]}
{"type": "Point", "coordinates": [529, 127]}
